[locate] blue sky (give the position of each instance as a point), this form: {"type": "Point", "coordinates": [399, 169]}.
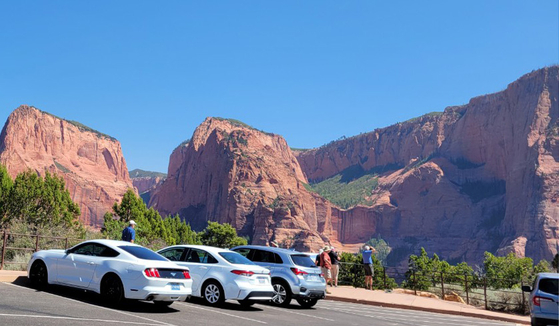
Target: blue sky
{"type": "Point", "coordinates": [149, 72]}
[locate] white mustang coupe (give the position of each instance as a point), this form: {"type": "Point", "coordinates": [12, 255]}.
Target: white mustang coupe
{"type": "Point", "coordinates": [115, 269]}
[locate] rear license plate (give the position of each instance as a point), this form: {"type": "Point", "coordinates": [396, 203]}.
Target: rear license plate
{"type": "Point", "coordinates": [314, 278]}
{"type": "Point", "coordinates": [262, 281]}
{"type": "Point", "coordinates": [175, 286]}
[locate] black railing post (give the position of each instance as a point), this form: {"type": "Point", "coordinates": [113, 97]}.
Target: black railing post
{"type": "Point", "coordinates": [442, 285]}
{"type": "Point", "coordinates": [384, 277]}
{"type": "Point", "coordinates": [523, 300]}
{"type": "Point", "coordinates": [36, 242]}
{"type": "Point", "coordinates": [466, 285]}
{"type": "Point", "coordinates": [485, 291]}
{"type": "Point", "coordinates": [414, 281]}
{"type": "Point", "coordinates": [66, 244]}
{"type": "Point", "coordinates": [4, 249]}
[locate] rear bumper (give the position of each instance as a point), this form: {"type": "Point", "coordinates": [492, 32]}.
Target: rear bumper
{"type": "Point", "coordinates": [259, 295]}
{"type": "Point", "coordinates": [543, 321]}
{"type": "Point", "coordinates": [311, 294]}
{"type": "Point", "coordinates": [160, 293]}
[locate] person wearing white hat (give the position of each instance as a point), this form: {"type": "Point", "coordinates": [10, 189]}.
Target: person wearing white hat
{"type": "Point", "coordinates": [129, 234]}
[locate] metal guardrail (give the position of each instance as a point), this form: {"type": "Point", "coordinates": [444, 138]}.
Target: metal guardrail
{"type": "Point", "coordinates": [9, 236]}
{"type": "Point", "coordinates": [473, 289]}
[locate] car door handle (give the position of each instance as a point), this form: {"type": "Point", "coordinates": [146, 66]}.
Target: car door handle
{"type": "Point", "coordinates": [91, 263]}
{"type": "Point", "coordinates": [202, 267]}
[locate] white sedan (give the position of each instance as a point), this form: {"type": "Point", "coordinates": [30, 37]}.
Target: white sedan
{"type": "Point", "coordinates": [115, 269]}
{"type": "Point", "coordinates": [221, 274]}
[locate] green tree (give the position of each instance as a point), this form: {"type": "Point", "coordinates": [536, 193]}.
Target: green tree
{"type": "Point", "coordinates": [221, 235]}
{"type": "Point", "coordinates": [6, 184]}
{"type": "Point", "coordinates": [41, 202]}
{"type": "Point", "coordinates": [508, 271]}
{"type": "Point", "coordinates": [351, 271]}
{"type": "Point", "coordinates": [151, 230]}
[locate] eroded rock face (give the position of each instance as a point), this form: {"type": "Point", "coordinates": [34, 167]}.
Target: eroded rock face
{"type": "Point", "coordinates": [479, 177]}
{"type": "Point", "coordinates": [232, 173]}
{"type": "Point", "coordinates": [91, 163]}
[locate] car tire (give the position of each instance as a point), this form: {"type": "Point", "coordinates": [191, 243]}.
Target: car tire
{"type": "Point", "coordinates": [213, 293]}
{"type": "Point", "coordinates": [112, 289]}
{"type": "Point", "coordinates": [163, 303]}
{"type": "Point", "coordinates": [247, 303]}
{"type": "Point", "coordinates": [38, 275]}
{"type": "Point", "coordinates": [282, 293]}
{"type": "Point", "coordinates": [307, 302]}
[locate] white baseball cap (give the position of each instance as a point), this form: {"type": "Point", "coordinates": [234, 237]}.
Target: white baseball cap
{"type": "Point", "coordinates": [132, 222]}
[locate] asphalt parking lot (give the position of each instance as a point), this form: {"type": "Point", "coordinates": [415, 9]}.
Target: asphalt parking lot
{"type": "Point", "coordinates": [61, 306]}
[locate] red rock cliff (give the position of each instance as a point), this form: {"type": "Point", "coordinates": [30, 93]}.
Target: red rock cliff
{"type": "Point", "coordinates": [232, 173]}
{"type": "Point", "coordinates": [479, 177]}
{"type": "Point", "coordinates": [91, 164]}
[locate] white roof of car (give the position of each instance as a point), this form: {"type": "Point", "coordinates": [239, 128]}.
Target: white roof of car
{"type": "Point", "coordinates": [202, 247]}
{"type": "Point", "coordinates": [112, 243]}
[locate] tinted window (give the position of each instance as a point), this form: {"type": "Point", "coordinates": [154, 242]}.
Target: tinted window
{"type": "Point", "coordinates": [173, 254]}
{"type": "Point", "coordinates": [243, 251]}
{"type": "Point", "coordinates": [303, 260]}
{"type": "Point", "coordinates": [200, 256]}
{"type": "Point", "coordinates": [235, 258]}
{"type": "Point", "coordinates": [85, 249]}
{"type": "Point", "coordinates": [549, 285]}
{"type": "Point", "coordinates": [264, 256]}
{"type": "Point", "coordinates": [104, 251]}
{"type": "Point", "coordinates": [142, 253]}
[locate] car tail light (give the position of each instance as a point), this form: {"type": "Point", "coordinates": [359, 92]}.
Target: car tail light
{"type": "Point", "coordinates": [186, 274]}
{"type": "Point", "coordinates": [242, 273]}
{"type": "Point", "coordinates": [298, 271]}
{"type": "Point", "coordinates": [537, 300]}
{"type": "Point", "coordinates": [152, 272]}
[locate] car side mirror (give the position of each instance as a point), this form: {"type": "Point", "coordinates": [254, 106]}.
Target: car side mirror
{"type": "Point", "coordinates": [526, 288]}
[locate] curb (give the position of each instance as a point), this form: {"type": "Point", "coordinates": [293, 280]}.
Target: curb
{"type": "Point", "coordinates": [12, 276]}
{"type": "Point", "coordinates": [441, 311]}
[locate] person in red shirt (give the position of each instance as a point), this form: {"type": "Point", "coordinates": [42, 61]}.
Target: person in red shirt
{"type": "Point", "coordinates": [326, 265]}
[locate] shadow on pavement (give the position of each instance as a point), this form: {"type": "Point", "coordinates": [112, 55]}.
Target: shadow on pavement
{"type": "Point", "coordinates": [227, 305]}
{"type": "Point", "coordinates": [93, 298]}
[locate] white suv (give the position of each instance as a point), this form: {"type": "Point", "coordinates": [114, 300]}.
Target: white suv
{"type": "Point", "coordinates": [544, 301]}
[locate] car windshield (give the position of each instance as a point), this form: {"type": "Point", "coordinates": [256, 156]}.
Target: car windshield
{"type": "Point", "coordinates": [142, 253]}
{"type": "Point", "coordinates": [235, 258]}
{"type": "Point", "coordinates": [549, 285]}
{"type": "Point", "coordinates": [303, 260]}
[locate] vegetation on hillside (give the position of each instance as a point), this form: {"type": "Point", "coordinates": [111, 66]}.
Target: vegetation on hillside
{"type": "Point", "coordinates": [348, 188]}
{"type": "Point", "coordinates": [137, 173]}
{"type": "Point", "coordinates": [241, 124]}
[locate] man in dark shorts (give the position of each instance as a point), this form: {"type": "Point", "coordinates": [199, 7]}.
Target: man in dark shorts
{"type": "Point", "coordinates": [368, 266]}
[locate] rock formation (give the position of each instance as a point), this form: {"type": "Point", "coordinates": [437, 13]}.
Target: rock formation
{"type": "Point", "coordinates": [91, 163]}
{"type": "Point", "coordinates": [231, 173]}
{"type": "Point", "coordinates": [478, 177]}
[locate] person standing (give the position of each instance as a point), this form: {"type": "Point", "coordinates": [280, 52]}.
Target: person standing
{"type": "Point", "coordinates": [368, 266]}
{"type": "Point", "coordinates": [326, 266]}
{"type": "Point", "coordinates": [335, 259]}
{"type": "Point", "coordinates": [129, 234]}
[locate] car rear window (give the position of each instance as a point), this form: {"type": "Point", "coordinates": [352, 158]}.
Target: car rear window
{"type": "Point", "coordinates": [303, 260]}
{"type": "Point", "coordinates": [549, 285]}
{"type": "Point", "coordinates": [235, 258]}
{"type": "Point", "coordinates": [142, 253]}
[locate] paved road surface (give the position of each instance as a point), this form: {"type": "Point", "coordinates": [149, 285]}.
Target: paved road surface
{"type": "Point", "coordinates": [59, 306]}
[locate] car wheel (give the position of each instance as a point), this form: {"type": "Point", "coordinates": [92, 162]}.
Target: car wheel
{"type": "Point", "coordinates": [282, 293]}
{"type": "Point", "coordinates": [246, 303]}
{"type": "Point", "coordinates": [213, 293]}
{"type": "Point", "coordinates": [38, 274]}
{"type": "Point", "coordinates": [307, 302]}
{"type": "Point", "coordinates": [112, 289]}
{"type": "Point", "coordinates": [163, 303]}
